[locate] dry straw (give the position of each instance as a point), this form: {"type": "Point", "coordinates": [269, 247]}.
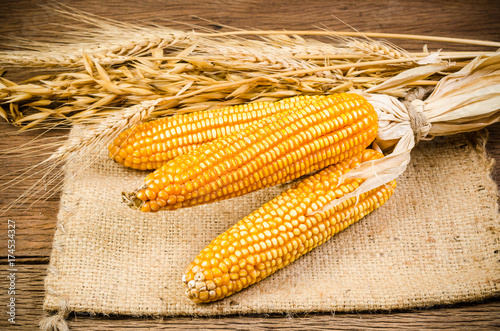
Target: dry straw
{"type": "Point", "coordinates": [111, 83]}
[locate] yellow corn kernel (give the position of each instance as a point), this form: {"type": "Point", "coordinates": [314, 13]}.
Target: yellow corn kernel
{"type": "Point", "coordinates": [279, 241]}
{"type": "Point", "coordinates": [275, 150]}
{"type": "Point", "coordinates": [149, 145]}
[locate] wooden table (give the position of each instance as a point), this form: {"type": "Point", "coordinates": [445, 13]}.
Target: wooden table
{"type": "Point", "coordinates": [35, 226]}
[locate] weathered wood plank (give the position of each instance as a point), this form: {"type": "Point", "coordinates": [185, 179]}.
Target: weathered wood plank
{"type": "Point", "coordinates": [35, 226]}
{"type": "Point", "coordinates": [30, 293]}
{"type": "Point", "coordinates": [464, 19]}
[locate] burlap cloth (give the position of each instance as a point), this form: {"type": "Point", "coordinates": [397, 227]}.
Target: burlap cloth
{"type": "Point", "coordinates": [436, 241]}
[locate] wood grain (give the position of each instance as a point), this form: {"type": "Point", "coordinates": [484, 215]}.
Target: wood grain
{"type": "Point", "coordinates": [462, 19]}
{"type": "Point", "coordinates": [35, 226]}
{"type": "Point", "coordinates": [465, 316]}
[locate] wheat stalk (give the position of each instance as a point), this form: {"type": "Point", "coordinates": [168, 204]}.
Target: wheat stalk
{"type": "Point", "coordinates": [110, 83]}
{"type": "Point", "coordinates": [107, 130]}
{"type": "Point", "coordinates": [159, 62]}
{"type": "Point", "coordinates": [355, 34]}
{"type": "Point", "coordinates": [75, 149]}
{"type": "Point", "coordinates": [102, 87]}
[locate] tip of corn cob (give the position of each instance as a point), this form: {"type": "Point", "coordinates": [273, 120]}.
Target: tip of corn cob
{"type": "Point", "coordinates": [131, 199]}
{"type": "Point", "coordinates": [200, 289]}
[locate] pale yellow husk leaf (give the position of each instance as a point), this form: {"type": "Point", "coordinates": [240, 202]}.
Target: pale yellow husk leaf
{"type": "Point", "coordinates": [467, 100]}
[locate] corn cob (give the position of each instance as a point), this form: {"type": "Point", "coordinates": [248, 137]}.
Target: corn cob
{"type": "Point", "coordinates": [149, 145]}
{"type": "Point", "coordinates": [274, 150]}
{"type": "Point", "coordinates": [281, 231]}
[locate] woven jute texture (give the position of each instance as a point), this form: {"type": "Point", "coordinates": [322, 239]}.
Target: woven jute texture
{"type": "Point", "coordinates": [436, 241]}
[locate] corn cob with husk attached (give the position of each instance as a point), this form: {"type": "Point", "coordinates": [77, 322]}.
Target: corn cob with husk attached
{"type": "Point", "coordinates": [275, 150]}
{"type": "Point", "coordinates": [281, 231]}
{"type": "Point", "coordinates": [150, 145]}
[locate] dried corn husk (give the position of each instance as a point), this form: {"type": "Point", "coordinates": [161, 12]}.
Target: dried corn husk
{"type": "Point", "coordinates": [467, 100]}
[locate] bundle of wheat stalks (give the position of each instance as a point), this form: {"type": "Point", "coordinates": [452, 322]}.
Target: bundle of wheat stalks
{"type": "Point", "coordinates": [111, 84]}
